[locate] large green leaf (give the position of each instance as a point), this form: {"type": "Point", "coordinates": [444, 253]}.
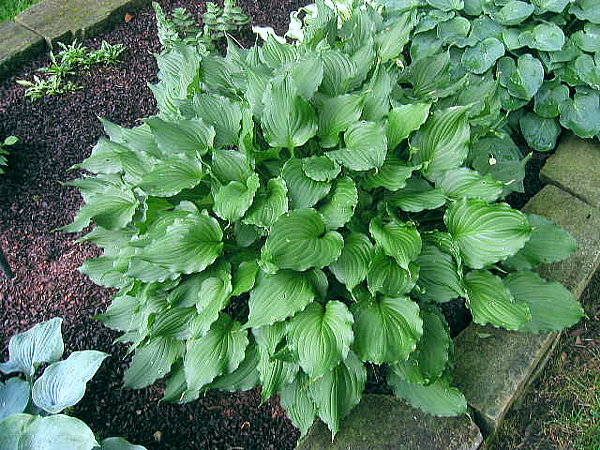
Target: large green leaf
{"type": "Point", "coordinates": [171, 177]}
{"type": "Point", "coordinates": [486, 233]}
{"type": "Point", "coordinates": [213, 296]}
{"type": "Point", "coordinates": [439, 277]}
{"type": "Point", "coordinates": [56, 432]}
{"type": "Point", "coordinates": [299, 241]}
{"type": "Point", "coordinates": [522, 79]}
{"type": "Point", "coordinates": [366, 147]}
{"type": "Point", "coordinates": [552, 306]}
{"type": "Point", "coordinates": [582, 114]}
{"type": "Point", "coordinates": [14, 397]}
{"type": "Point", "coordinates": [386, 329]}
{"type": "Point", "coordinates": [339, 208]}
{"type": "Point", "coordinates": [338, 70]}
{"type": "Point", "coordinates": [243, 378]}
{"type": "Point", "coordinates": [352, 266]}
{"type": "Point", "coordinates": [394, 37]}
{"type": "Point", "coordinates": [234, 199]}
{"type": "Point", "coordinates": [392, 175]}
{"type": "Point", "coordinates": [223, 114]}
{"type": "Point", "coordinates": [268, 205]}
{"type": "Point", "coordinates": [480, 58]}
{"type": "Point", "coordinates": [229, 165]}
{"type": "Point", "coordinates": [403, 120]}
{"type": "Point", "coordinates": [541, 134]}
{"type": "Point", "coordinates": [336, 114]}
{"type": "Point", "coordinates": [467, 183]}
{"type": "Point", "coordinates": [12, 429]}
{"type": "Point", "coordinates": [513, 12]}
{"type": "Point", "coordinates": [491, 302]}
{"type": "Point", "coordinates": [297, 403]}
{"type": "Point", "coordinates": [320, 168]}
{"type": "Point", "coordinates": [549, 98]}
{"type": "Point", "coordinates": [152, 361]}
{"type": "Point", "coordinates": [277, 297]}
{"type": "Point", "coordinates": [400, 241]}
{"type": "Point", "coordinates": [417, 195]}
{"type": "Point", "coordinates": [321, 336]}
{"type": "Point", "coordinates": [387, 277]}
{"type": "Point", "coordinates": [303, 191]}
{"type": "Point", "coordinates": [190, 137]}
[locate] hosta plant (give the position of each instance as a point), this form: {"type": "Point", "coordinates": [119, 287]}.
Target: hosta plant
{"type": "Point", "coordinates": [32, 409]}
{"type": "Point", "coordinates": [293, 214]}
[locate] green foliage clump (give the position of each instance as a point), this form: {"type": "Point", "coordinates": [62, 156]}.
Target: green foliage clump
{"type": "Point", "coordinates": [10, 140]}
{"type": "Point", "coordinates": [297, 211]}
{"type": "Point", "coordinates": [32, 410]}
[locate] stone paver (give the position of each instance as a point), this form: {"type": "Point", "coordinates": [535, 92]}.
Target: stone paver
{"type": "Point", "coordinates": [17, 44]}
{"type": "Point", "coordinates": [575, 167]}
{"type": "Point", "coordinates": [383, 422]}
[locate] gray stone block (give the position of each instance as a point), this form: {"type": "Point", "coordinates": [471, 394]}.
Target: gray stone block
{"type": "Point", "coordinates": [575, 167]}
{"type": "Point", "coordinates": [17, 44]}
{"type": "Point", "coordinates": [383, 422]}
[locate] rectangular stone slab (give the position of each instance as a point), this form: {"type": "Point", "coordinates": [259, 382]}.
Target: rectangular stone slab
{"type": "Point", "coordinates": [17, 43]}
{"type": "Point", "coordinates": [384, 422]}
{"type": "Point", "coordinates": [575, 167]}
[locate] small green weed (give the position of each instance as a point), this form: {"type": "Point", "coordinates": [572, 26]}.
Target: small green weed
{"type": "Point", "coordinates": [10, 8]}
{"type": "Point", "coordinates": [10, 140]}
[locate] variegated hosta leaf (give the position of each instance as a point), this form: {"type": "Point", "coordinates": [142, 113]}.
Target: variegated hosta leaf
{"type": "Point", "coordinates": [366, 147]}
{"type": "Point", "coordinates": [269, 205]}
{"type": "Point", "coordinates": [303, 191]}
{"type": "Point", "coordinates": [400, 241]}
{"type": "Point", "coordinates": [403, 120]}
{"type": "Point", "coordinates": [352, 267]}
{"type": "Point", "coordinates": [387, 277]}
{"type": "Point", "coordinates": [439, 277]}
{"type": "Point", "coordinates": [486, 233]}
{"type": "Point", "coordinates": [339, 208]}
{"type": "Point", "coordinates": [392, 175]}
{"type": "Point", "coordinates": [490, 301]}
{"type": "Point", "coordinates": [299, 241]}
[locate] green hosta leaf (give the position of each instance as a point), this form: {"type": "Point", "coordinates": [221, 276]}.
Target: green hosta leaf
{"type": "Point", "coordinates": [299, 241]}
{"type": "Point", "coordinates": [480, 58]}
{"type": "Point", "coordinates": [403, 120]}
{"type": "Point", "coordinates": [189, 245]}
{"type": "Point", "coordinates": [12, 429]}
{"type": "Point", "coordinates": [63, 383]}
{"type": "Point", "coordinates": [491, 302]}
{"type": "Point", "coordinates": [513, 13]}
{"type": "Point", "coordinates": [152, 361]}
{"type": "Point", "coordinates": [297, 403]}
{"type": "Point", "coordinates": [213, 296]}
{"type": "Point", "coordinates": [41, 344]}
{"type": "Point", "coordinates": [455, 31]}
{"type": "Point", "coordinates": [14, 397]}
{"type": "Point", "coordinates": [541, 134]}
{"type": "Point", "coordinates": [111, 157]}
{"type": "Point", "coordinates": [220, 351]}
{"type": "Point", "coordinates": [586, 10]}
{"type": "Point", "coordinates": [588, 71]}
{"type": "Point", "coordinates": [439, 277]}
{"type": "Point", "coordinates": [446, 5]}
{"type": "Point", "coordinates": [339, 391]}
{"type": "Point", "coordinates": [443, 142]}
{"type": "Point", "coordinates": [288, 120]}
{"type": "Point", "coordinates": [338, 70]}
{"type": "Point", "coordinates": [190, 137]}
{"type": "Point", "coordinates": [339, 209]}
{"type": "Point", "coordinates": [173, 323]}
{"type": "Point", "coordinates": [223, 114]}
{"type": "Point", "coordinates": [386, 330]}
{"type": "Point", "coordinates": [118, 443]}
{"type": "Point", "coordinates": [588, 39]}
{"type": "Point", "coordinates": [552, 306]}
{"type": "Point", "coordinates": [392, 175]}
{"type": "Point", "coordinates": [545, 36]}
{"type": "Point", "coordinates": [352, 266]}
{"type": "Point", "coordinates": [556, 6]}
{"type": "Point", "coordinates": [277, 297]}
{"type": "Point", "coordinates": [522, 79]}
{"type": "Point", "coordinates": [321, 336]}
{"type": "Point", "coordinates": [275, 53]}
{"type": "Point", "coordinates": [467, 183]}
{"type": "Point", "coordinates": [387, 277]}
{"type": "Point", "coordinates": [56, 432]}
{"type": "Point", "coordinates": [418, 195]}
{"type": "Point", "coordinates": [582, 114]}
{"type": "Point", "coordinates": [400, 241]}
{"type": "Point", "coordinates": [391, 41]}
{"type": "Point", "coordinates": [376, 93]}
{"type": "Point", "coordinates": [438, 399]}
{"type": "Point", "coordinates": [243, 378]}
{"type": "Point", "coordinates": [171, 177]}
{"type": "Point", "coordinates": [269, 205]}
{"type": "Point", "coordinates": [549, 243]}
{"type": "Point", "coordinates": [303, 191]}
{"type": "Point", "coordinates": [244, 277]}
{"type": "Point", "coordinates": [486, 233]}
{"type": "Point", "coordinates": [337, 114]}
{"type": "Point", "coordinates": [308, 75]}
{"type": "Point", "coordinates": [320, 168]}
{"type": "Point", "coordinates": [549, 98]}
{"type": "Point", "coordinates": [366, 147]}
{"type": "Point", "coordinates": [230, 165]}
{"type": "Point", "coordinates": [233, 200]}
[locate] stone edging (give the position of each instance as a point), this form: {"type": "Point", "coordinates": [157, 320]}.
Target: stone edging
{"type": "Point", "coordinates": [44, 24]}
{"type": "Point", "coordinates": [492, 367]}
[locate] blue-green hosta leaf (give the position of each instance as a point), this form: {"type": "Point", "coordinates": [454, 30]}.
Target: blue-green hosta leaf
{"type": "Point", "coordinates": [299, 241]}
{"type": "Point", "coordinates": [387, 277]}
{"type": "Point", "coordinates": [220, 351]}
{"type": "Point", "coordinates": [321, 336]}
{"type": "Point", "coordinates": [391, 176]}
{"type": "Point", "coordinates": [556, 6]}
{"type": "Point", "coordinates": [480, 58]}
{"type": "Point", "coordinates": [234, 199]}
{"type": "Point", "coordinates": [320, 168]}
{"type": "Point", "coordinates": [438, 399]}
{"type": "Point", "coordinates": [269, 205]}
{"type": "Point", "coordinates": [586, 10]}
{"type": "Point", "coordinates": [339, 391]}
{"type": "Point", "coordinates": [546, 37]}
{"type": "Point", "coordinates": [473, 7]}
{"type": "Point", "coordinates": [338, 70]}
{"type": "Point", "coordinates": [339, 208]}
{"type": "Point", "coordinates": [56, 432]}
{"type": "Point", "coordinates": [491, 302]}
{"type": "Point", "coordinates": [14, 397]}
{"type": "Point", "coordinates": [552, 306]}
{"type": "Point", "coordinates": [189, 245]}
{"type": "Point", "coordinates": [152, 361]}
{"type": "Point", "coordinates": [424, 45]}
{"type": "Point", "coordinates": [418, 195]}
{"type": "Point", "coordinates": [541, 134]}
{"type": "Point", "coordinates": [582, 114]}
{"type": "Point", "coordinates": [513, 13]}
{"type": "Point", "coordinates": [391, 41]}
{"type": "Point", "coordinates": [443, 142]}
{"type": "Point", "coordinates": [118, 443]}
{"type": "Point", "coordinates": [41, 344]}
{"type": "Point", "coordinates": [366, 147]}
{"type": "Point", "coordinates": [455, 31]}
{"type": "Point", "coordinates": [587, 71]}
{"type": "Point", "coordinates": [336, 114]}
{"type": "Point", "coordinates": [278, 296]}
{"type": "Point", "coordinates": [287, 120]}
{"type": "Point", "coordinates": [352, 267]}
{"type": "Point", "coordinates": [446, 5]}
{"type": "Point", "coordinates": [588, 39]}
{"type": "Point", "coordinates": [549, 98]}
{"type": "Point", "coordinates": [549, 243]}
{"type": "Point", "coordinates": [63, 383]}
{"type": "Point", "coordinates": [190, 137]}
{"type": "Point", "coordinates": [12, 429]}
{"type": "Point", "coordinates": [403, 120]}
{"type": "Point", "coordinates": [171, 177]}
{"type": "Point", "coordinates": [297, 403]}
{"type": "Point", "coordinates": [303, 191]}
{"type": "Point", "coordinates": [386, 329]}
{"type": "Point", "coordinates": [522, 79]}
{"type": "Point", "coordinates": [400, 241]}
{"type": "Point", "coordinates": [244, 277]}
{"type": "Point", "coordinates": [439, 277]}
{"type": "Point", "coordinates": [484, 27]}
{"type": "Point", "coordinates": [467, 183]}
{"type": "Point", "coordinates": [486, 233]}
{"type": "Point", "coordinates": [243, 378]}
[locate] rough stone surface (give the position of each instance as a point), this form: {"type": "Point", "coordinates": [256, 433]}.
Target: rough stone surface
{"type": "Point", "coordinates": [575, 167]}
{"type": "Point", "coordinates": [64, 20]}
{"type": "Point", "coordinates": [383, 422]}
{"type": "Point", "coordinates": [17, 44]}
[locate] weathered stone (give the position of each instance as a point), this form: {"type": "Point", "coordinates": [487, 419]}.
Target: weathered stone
{"type": "Point", "coordinates": [575, 167]}
{"type": "Point", "coordinates": [16, 44]}
{"type": "Point", "coordinates": [384, 422]}
{"type": "Point", "coordinates": [64, 20]}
